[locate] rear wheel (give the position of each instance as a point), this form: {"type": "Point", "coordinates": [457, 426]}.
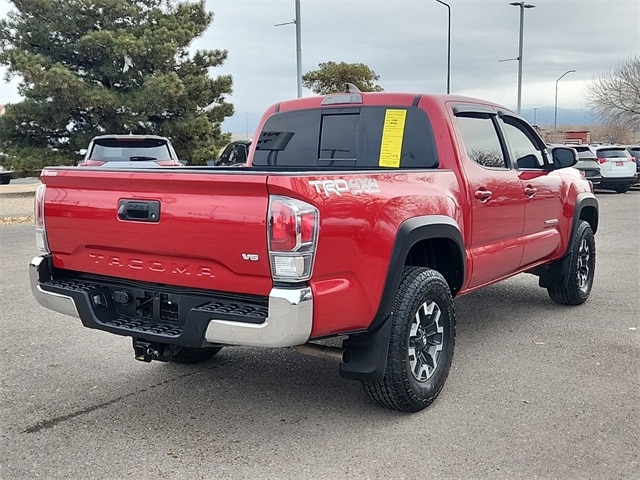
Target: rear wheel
{"type": "Point", "coordinates": [421, 343]}
{"type": "Point", "coordinates": [194, 355]}
{"type": "Point", "coordinates": [622, 188]}
{"type": "Point", "coordinates": [581, 268]}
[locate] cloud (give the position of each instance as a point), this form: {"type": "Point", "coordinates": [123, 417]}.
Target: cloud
{"type": "Point", "coordinates": [405, 42]}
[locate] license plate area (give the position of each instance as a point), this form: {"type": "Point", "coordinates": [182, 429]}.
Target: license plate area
{"type": "Point", "coordinates": [619, 163]}
{"type": "Point", "coordinates": [155, 305]}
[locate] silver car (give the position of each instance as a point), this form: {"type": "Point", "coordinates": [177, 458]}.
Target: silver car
{"type": "Point", "coordinates": [5, 175]}
{"type": "Point", "coordinates": [587, 163]}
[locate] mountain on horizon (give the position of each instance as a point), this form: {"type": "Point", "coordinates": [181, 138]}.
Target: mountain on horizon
{"type": "Point", "coordinates": [542, 117]}
{"type": "Point", "coordinates": [567, 117]}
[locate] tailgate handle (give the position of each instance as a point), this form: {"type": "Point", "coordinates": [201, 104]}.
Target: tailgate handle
{"type": "Point", "coordinates": [139, 210]}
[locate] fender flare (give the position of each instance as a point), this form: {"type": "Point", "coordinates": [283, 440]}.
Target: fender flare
{"type": "Point", "coordinates": [369, 349]}
{"type": "Point", "coordinates": [584, 200]}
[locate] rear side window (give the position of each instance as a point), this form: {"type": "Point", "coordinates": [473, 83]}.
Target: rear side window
{"type": "Point", "coordinates": [481, 141]}
{"type": "Point", "coordinates": [584, 152]}
{"type": "Point", "coordinates": [360, 137]}
{"type": "Point", "coordinates": [612, 153]}
{"type": "Point", "coordinates": [123, 150]}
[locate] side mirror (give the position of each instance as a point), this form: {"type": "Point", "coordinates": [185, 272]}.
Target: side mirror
{"type": "Point", "coordinates": [564, 157]}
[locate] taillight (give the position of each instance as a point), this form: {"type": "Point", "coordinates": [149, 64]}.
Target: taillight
{"type": "Point", "coordinates": [168, 163]}
{"type": "Point", "coordinates": [634, 159]}
{"type": "Point", "coordinates": [38, 218]}
{"type": "Point", "coordinates": [91, 163]}
{"type": "Point", "coordinates": [292, 233]}
{"type": "Point", "coordinates": [602, 160]}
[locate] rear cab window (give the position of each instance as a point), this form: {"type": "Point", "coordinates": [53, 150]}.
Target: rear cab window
{"type": "Point", "coordinates": [347, 138]}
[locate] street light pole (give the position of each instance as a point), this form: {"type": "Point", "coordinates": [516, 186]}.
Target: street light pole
{"type": "Point", "coordinates": [298, 50]}
{"type": "Point", "coordinates": [555, 114]}
{"type": "Point", "coordinates": [522, 6]}
{"type": "Point", "coordinates": [298, 47]}
{"type": "Point", "coordinates": [448, 46]}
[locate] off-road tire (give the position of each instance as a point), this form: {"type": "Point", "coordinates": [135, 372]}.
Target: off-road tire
{"type": "Point", "coordinates": [415, 343]}
{"type": "Point", "coordinates": [194, 355]}
{"type": "Point", "coordinates": [581, 268]}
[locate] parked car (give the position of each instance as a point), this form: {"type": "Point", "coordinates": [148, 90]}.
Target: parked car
{"type": "Point", "coordinates": [617, 166]}
{"type": "Point", "coordinates": [236, 153]}
{"type": "Point", "coordinates": [634, 150]}
{"type": "Point", "coordinates": [5, 175]}
{"type": "Point", "coordinates": [587, 163]}
{"type": "Point", "coordinates": [122, 151]}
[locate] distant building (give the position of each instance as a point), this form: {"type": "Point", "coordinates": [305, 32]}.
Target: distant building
{"type": "Point", "coordinates": [577, 136]}
{"type": "Point", "coordinates": [1, 109]}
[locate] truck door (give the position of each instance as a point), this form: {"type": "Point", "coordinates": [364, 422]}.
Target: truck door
{"type": "Point", "coordinates": [495, 195]}
{"type": "Point", "coordinates": [541, 188]}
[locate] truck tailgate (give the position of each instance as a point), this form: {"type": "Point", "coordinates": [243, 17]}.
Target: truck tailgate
{"type": "Point", "coordinates": [209, 231]}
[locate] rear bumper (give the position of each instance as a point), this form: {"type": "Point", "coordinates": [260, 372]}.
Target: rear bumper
{"type": "Point", "coordinates": [619, 180]}
{"type": "Point", "coordinates": [593, 176]}
{"type": "Point", "coordinates": [198, 320]}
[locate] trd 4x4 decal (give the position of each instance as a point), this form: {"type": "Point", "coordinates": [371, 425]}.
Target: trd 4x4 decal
{"type": "Point", "coordinates": [351, 186]}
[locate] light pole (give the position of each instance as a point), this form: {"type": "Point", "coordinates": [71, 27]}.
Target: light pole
{"type": "Point", "coordinates": [448, 47]}
{"type": "Point", "coordinates": [535, 118]}
{"type": "Point", "coordinates": [522, 6]}
{"type": "Point", "coordinates": [298, 47]}
{"type": "Point", "coordinates": [555, 111]}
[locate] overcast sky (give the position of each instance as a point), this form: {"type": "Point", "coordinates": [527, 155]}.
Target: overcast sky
{"type": "Point", "coordinates": [405, 42]}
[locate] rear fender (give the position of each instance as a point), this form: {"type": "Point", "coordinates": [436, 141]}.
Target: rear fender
{"type": "Point", "coordinates": [369, 349]}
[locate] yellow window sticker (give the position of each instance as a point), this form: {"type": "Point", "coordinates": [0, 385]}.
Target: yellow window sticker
{"type": "Point", "coordinates": [392, 135]}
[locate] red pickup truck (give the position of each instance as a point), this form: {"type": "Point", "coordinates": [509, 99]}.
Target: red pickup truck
{"type": "Point", "coordinates": [358, 216]}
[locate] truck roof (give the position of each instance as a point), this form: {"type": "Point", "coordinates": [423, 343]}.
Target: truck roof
{"type": "Point", "coordinates": [376, 98]}
{"type": "Point", "coordinates": [132, 136]}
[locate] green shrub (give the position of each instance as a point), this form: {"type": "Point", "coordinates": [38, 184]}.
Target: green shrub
{"type": "Point", "coordinates": [29, 162]}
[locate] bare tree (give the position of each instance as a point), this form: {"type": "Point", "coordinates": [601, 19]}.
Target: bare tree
{"type": "Point", "coordinates": [612, 134]}
{"type": "Point", "coordinates": [615, 96]}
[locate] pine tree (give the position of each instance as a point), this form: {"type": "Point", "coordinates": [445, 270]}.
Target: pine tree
{"type": "Point", "coordinates": [91, 67]}
{"type": "Point", "coordinates": [330, 77]}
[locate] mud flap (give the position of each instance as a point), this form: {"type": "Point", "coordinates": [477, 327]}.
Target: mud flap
{"type": "Point", "coordinates": [369, 354]}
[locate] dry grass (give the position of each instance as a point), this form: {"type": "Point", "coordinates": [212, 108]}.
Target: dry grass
{"type": "Point", "coordinates": [16, 220]}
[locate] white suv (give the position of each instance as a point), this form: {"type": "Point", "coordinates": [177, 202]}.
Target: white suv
{"type": "Point", "coordinates": [617, 167]}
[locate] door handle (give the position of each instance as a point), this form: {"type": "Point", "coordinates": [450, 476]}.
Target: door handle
{"type": "Point", "coordinates": [483, 195]}
{"type": "Point", "coordinates": [530, 191]}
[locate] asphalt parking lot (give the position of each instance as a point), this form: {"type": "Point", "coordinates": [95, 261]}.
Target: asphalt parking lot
{"type": "Point", "coordinates": [537, 390]}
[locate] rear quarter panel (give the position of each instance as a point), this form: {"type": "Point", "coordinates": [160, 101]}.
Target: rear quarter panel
{"type": "Point", "coordinates": [358, 229]}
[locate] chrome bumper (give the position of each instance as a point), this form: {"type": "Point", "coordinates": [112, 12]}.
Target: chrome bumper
{"type": "Point", "coordinates": [288, 324]}
{"type": "Point", "coordinates": [39, 269]}
{"type": "Point", "coordinates": [289, 321]}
